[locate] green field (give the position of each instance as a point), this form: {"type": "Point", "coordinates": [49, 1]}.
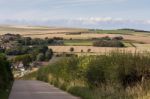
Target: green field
{"type": "Point", "coordinates": [121, 31]}
{"type": "Point", "coordinates": [87, 43]}
{"type": "Point", "coordinates": [124, 32]}
{"type": "Point", "coordinates": [127, 44]}
{"type": "Point", "coordinates": [78, 43]}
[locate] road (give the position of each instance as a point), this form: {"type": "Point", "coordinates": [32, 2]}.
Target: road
{"type": "Point", "coordinates": [23, 89]}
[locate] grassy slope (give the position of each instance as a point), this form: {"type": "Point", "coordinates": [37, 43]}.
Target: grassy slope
{"type": "Point", "coordinates": [124, 32]}
{"type": "Point", "coordinates": [70, 74]}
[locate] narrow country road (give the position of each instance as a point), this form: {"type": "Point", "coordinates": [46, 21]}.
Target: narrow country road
{"type": "Point", "coordinates": [29, 89]}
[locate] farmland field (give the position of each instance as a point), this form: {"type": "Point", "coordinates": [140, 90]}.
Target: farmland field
{"type": "Point", "coordinates": [42, 32]}
{"type": "Point", "coordinates": [77, 49]}
{"type": "Point", "coordinates": [125, 47]}
{"type": "Point", "coordinates": [78, 43]}
{"type": "Point", "coordinates": [82, 41]}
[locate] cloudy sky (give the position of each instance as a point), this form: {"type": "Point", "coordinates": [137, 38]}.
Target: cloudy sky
{"type": "Point", "coordinates": [103, 14]}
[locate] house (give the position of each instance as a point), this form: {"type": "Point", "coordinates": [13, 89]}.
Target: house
{"type": "Point", "coordinates": [18, 65]}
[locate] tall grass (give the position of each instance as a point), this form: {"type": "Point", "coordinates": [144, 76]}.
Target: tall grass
{"type": "Point", "coordinates": [117, 75]}
{"type": "Point", "coordinates": [31, 76]}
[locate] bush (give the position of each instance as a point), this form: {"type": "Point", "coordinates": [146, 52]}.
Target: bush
{"type": "Point", "coordinates": [48, 54]}
{"type": "Point", "coordinates": [117, 38]}
{"type": "Point", "coordinates": [40, 57]}
{"type": "Point", "coordinates": [15, 51]}
{"type": "Point", "coordinates": [108, 43]}
{"type": "Point", "coordinates": [6, 76]}
{"type": "Point", "coordinates": [105, 38]}
{"type": "Point", "coordinates": [95, 75]}
{"type": "Point", "coordinates": [71, 49]}
{"type": "Point", "coordinates": [89, 50]}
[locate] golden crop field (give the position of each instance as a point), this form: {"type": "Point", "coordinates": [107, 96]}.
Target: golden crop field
{"type": "Point", "coordinates": [84, 49]}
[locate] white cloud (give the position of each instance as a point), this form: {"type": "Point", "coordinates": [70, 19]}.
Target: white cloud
{"type": "Point", "coordinates": [96, 20]}
{"type": "Point", "coordinates": [147, 22]}
{"type": "Point", "coordinates": [89, 22]}
{"type": "Point", "coordinates": [110, 19]}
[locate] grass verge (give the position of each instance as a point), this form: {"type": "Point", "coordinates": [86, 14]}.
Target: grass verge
{"type": "Point", "coordinates": [117, 75]}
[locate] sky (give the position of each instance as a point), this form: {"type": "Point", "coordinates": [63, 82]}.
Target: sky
{"type": "Point", "coordinates": [102, 14]}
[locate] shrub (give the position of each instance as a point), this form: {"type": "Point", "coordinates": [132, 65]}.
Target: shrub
{"type": "Point", "coordinates": [6, 76]}
{"type": "Point", "coordinates": [95, 75]}
{"type": "Point", "coordinates": [105, 38]}
{"type": "Point", "coordinates": [117, 38]}
{"type": "Point", "coordinates": [108, 43]}
{"type": "Point", "coordinates": [48, 54]}
{"type": "Point", "coordinates": [71, 49]}
{"type": "Point", "coordinates": [81, 51]}
{"type": "Point", "coordinates": [89, 50]}
{"type": "Point", "coordinates": [40, 57]}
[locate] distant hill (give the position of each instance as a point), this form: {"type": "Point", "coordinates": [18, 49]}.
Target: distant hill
{"type": "Point", "coordinates": [23, 30]}
{"type": "Point", "coordinates": [135, 30]}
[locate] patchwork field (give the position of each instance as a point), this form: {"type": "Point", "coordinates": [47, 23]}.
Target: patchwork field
{"type": "Point", "coordinates": [80, 42]}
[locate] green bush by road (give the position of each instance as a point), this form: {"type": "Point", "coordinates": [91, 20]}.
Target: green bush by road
{"type": "Point", "coordinates": [6, 77]}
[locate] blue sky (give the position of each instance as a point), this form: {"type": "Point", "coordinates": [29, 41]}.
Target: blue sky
{"type": "Point", "coordinates": [105, 14]}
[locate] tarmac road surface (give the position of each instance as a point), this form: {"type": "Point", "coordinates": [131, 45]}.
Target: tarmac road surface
{"type": "Point", "coordinates": [28, 89]}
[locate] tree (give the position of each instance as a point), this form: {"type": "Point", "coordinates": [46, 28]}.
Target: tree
{"type": "Point", "coordinates": [48, 54]}
{"type": "Point", "coordinates": [43, 49]}
{"type": "Point", "coordinates": [89, 50]}
{"type": "Point", "coordinates": [27, 40]}
{"type": "Point", "coordinates": [40, 57]}
{"type": "Point", "coordinates": [71, 49]}
{"type": "Point", "coordinates": [14, 51]}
